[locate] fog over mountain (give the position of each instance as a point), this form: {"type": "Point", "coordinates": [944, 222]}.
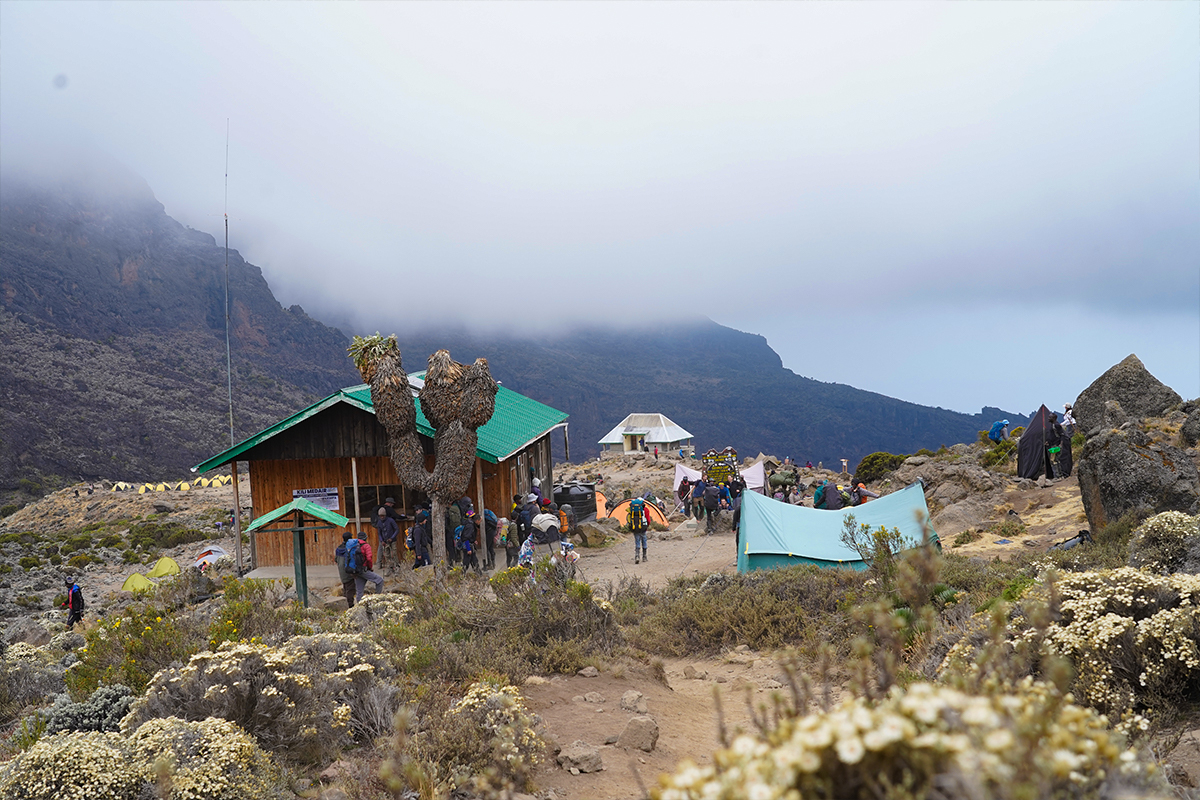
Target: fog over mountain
{"type": "Point", "coordinates": [910, 198]}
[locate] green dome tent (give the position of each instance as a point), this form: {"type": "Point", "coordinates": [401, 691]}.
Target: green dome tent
{"type": "Point", "coordinates": [164, 567]}
{"type": "Point", "coordinates": [136, 583]}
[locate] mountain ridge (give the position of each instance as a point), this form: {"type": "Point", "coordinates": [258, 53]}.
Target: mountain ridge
{"type": "Point", "coordinates": [113, 320]}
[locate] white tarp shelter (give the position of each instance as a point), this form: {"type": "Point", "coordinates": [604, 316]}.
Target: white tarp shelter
{"type": "Point", "coordinates": [754, 475]}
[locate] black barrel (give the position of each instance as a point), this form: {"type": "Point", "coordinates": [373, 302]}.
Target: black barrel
{"type": "Point", "coordinates": [581, 496]}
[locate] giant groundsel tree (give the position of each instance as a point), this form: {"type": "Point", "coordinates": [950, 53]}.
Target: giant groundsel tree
{"type": "Point", "coordinates": [457, 400]}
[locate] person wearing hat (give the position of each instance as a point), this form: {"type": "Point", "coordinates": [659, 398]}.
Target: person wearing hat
{"type": "Point", "coordinates": [999, 431]}
{"type": "Point", "coordinates": [74, 603]}
{"type": "Point", "coordinates": [861, 494]}
{"type": "Point", "coordinates": [1068, 420]}
{"type": "Point", "coordinates": [389, 535]}
{"type": "Point", "coordinates": [339, 558]}
{"type": "Point", "coordinates": [420, 539]}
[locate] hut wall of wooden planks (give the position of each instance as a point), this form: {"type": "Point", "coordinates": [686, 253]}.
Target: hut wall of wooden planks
{"type": "Point", "coordinates": [325, 450]}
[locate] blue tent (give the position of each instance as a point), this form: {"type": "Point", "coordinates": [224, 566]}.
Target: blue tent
{"type": "Point", "coordinates": [776, 534]}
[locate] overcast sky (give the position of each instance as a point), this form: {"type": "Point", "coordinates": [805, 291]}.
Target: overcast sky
{"type": "Point", "coordinates": [958, 204]}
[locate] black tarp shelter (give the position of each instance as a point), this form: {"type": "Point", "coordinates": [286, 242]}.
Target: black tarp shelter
{"type": "Point", "coordinates": [1031, 449]}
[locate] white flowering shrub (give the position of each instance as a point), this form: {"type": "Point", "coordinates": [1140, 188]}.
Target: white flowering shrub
{"type": "Point", "coordinates": [211, 759]}
{"type": "Point", "coordinates": [289, 698]}
{"type": "Point", "coordinates": [206, 760]}
{"type": "Point", "coordinates": [1163, 543]}
{"type": "Point", "coordinates": [1130, 635]}
{"type": "Point", "coordinates": [926, 741]}
{"type": "Point", "coordinates": [499, 713]}
{"type": "Point", "coordinates": [73, 766]}
{"type": "Point", "coordinates": [374, 609]}
{"type": "Point", "coordinates": [28, 676]}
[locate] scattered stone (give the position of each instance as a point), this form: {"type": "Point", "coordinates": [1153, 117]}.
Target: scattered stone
{"type": "Point", "coordinates": [578, 699]}
{"type": "Point", "coordinates": [579, 757]}
{"type": "Point", "coordinates": [771, 683]}
{"type": "Point", "coordinates": [742, 648]}
{"type": "Point", "coordinates": [594, 697]}
{"type": "Point", "coordinates": [1129, 383]}
{"type": "Point", "coordinates": [588, 672]}
{"type": "Point", "coordinates": [690, 673]}
{"type": "Point", "coordinates": [721, 679]}
{"type": "Point", "coordinates": [640, 732]}
{"type": "Point", "coordinates": [28, 631]}
{"type": "Point", "coordinates": [611, 739]}
{"type": "Point", "coordinates": [336, 770]}
{"type": "Point", "coordinates": [633, 700]}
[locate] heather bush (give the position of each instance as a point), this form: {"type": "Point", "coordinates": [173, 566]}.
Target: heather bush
{"type": "Point", "coordinates": [1166, 543]}
{"type": "Point", "coordinates": [298, 699]}
{"type": "Point", "coordinates": [485, 741]}
{"type": "Point", "coordinates": [374, 610]}
{"type": "Point", "coordinates": [27, 677]}
{"type": "Point", "coordinates": [924, 741]}
{"type": "Point", "coordinates": [102, 712]}
{"type": "Point", "coordinates": [210, 759]}
{"type": "Point", "coordinates": [875, 466]}
{"type": "Point", "coordinates": [73, 766]}
{"type": "Point", "coordinates": [1130, 637]}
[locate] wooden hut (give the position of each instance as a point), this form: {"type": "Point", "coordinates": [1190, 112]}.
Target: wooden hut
{"type": "Point", "coordinates": [335, 453]}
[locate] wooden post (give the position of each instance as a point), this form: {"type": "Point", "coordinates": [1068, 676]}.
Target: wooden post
{"type": "Point", "coordinates": [567, 442]}
{"type": "Point", "coordinates": [354, 476]}
{"type": "Point", "coordinates": [300, 559]}
{"type": "Point", "coordinates": [237, 517]}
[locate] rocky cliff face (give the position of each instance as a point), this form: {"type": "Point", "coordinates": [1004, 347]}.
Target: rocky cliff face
{"type": "Point", "coordinates": [112, 318]}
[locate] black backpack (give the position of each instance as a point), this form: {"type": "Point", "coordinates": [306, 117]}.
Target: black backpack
{"type": "Point", "coordinates": [712, 496]}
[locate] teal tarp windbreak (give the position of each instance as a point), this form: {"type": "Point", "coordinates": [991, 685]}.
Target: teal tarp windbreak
{"type": "Point", "coordinates": [776, 534]}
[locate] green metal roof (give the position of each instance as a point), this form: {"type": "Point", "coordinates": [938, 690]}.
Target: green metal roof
{"type": "Point", "coordinates": [302, 505]}
{"type": "Point", "coordinates": [517, 421]}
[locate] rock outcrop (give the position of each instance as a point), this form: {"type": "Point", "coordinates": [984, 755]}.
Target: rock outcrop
{"type": "Point", "coordinates": [1128, 383]}
{"type": "Point", "coordinates": [1189, 433]}
{"type": "Point", "coordinates": [1124, 469]}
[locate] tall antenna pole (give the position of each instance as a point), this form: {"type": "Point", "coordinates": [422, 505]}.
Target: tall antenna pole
{"type": "Point", "coordinates": [228, 358]}
{"type": "Point", "coordinates": [233, 470]}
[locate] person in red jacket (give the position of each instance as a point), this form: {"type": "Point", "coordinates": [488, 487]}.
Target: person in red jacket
{"type": "Point", "coordinates": [74, 604]}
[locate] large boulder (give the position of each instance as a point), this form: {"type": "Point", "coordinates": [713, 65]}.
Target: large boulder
{"type": "Point", "coordinates": [1190, 431]}
{"type": "Point", "coordinates": [1128, 383]}
{"type": "Point", "coordinates": [640, 733]}
{"type": "Point", "coordinates": [1121, 470]}
{"type": "Point", "coordinates": [579, 756]}
{"type": "Point", "coordinates": [28, 631]}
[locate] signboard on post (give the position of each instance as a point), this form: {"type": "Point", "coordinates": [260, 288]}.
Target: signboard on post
{"type": "Point", "coordinates": [326, 498]}
{"type": "Point", "coordinates": [720, 467]}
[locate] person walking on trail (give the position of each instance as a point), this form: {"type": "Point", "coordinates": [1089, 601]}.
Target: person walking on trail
{"type": "Point", "coordinates": [491, 530]}
{"type": "Point", "coordinates": [656, 452]}
{"type": "Point", "coordinates": [638, 521]}
{"type": "Point", "coordinates": [74, 603]}
{"type": "Point", "coordinates": [354, 560]}
{"type": "Point", "coordinates": [389, 535]}
{"type": "Point", "coordinates": [712, 506]}
{"type": "Point", "coordinates": [999, 431]}
{"type": "Point", "coordinates": [453, 520]}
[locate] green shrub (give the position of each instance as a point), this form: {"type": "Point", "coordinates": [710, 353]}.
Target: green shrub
{"type": "Point", "coordinates": [248, 614]}
{"type": "Point", "coordinates": [768, 609]}
{"type": "Point", "coordinates": [1000, 453]}
{"type": "Point", "coordinates": [50, 550]}
{"type": "Point", "coordinates": [875, 466]}
{"type": "Point", "coordinates": [28, 601]}
{"type": "Point", "coordinates": [966, 537]}
{"type": "Point", "coordinates": [102, 711]}
{"type": "Point", "coordinates": [55, 560]}
{"type": "Point", "coordinates": [129, 649]}
{"type": "Point", "coordinates": [8, 510]}
{"type": "Point", "coordinates": [130, 557]}
{"type": "Point", "coordinates": [111, 540]}
{"type": "Point", "coordinates": [80, 561]}
{"type": "Point", "coordinates": [152, 536]}
{"type": "Point", "coordinates": [30, 562]}
{"type": "Point", "coordinates": [27, 676]}
{"type": "Point", "coordinates": [5, 569]}
{"type": "Point", "coordinates": [29, 486]}
{"type": "Point", "coordinates": [1017, 431]}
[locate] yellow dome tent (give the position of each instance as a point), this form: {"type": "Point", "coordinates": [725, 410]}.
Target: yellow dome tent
{"type": "Point", "coordinates": [165, 566]}
{"type": "Point", "coordinates": [136, 583]}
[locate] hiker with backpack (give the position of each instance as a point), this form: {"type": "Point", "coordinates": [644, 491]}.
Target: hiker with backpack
{"type": "Point", "coordinates": [861, 494]}
{"type": "Point", "coordinates": [344, 574]}
{"type": "Point", "coordinates": [566, 521]}
{"type": "Point", "coordinates": [354, 560]}
{"type": "Point", "coordinates": [712, 505]}
{"type": "Point", "coordinates": [491, 532]}
{"type": "Point", "coordinates": [999, 431]}
{"type": "Point", "coordinates": [638, 521]}
{"type": "Point", "coordinates": [419, 541]}
{"type": "Point", "coordinates": [685, 497]}
{"type": "Point", "coordinates": [466, 542]}
{"type": "Point", "coordinates": [74, 603]}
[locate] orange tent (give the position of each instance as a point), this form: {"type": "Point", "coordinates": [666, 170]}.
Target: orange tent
{"type": "Point", "coordinates": [621, 513]}
{"type": "Point", "coordinates": [601, 504]}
